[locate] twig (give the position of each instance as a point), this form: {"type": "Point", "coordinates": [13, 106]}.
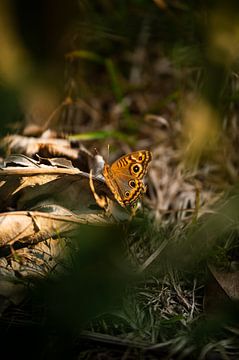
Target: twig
{"type": "Point", "coordinates": [153, 256]}
{"type": "Point", "coordinates": [193, 304]}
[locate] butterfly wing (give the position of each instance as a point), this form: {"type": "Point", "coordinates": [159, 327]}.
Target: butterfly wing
{"type": "Point", "coordinates": [134, 164]}
{"type": "Point", "coordinates": [124, 176]}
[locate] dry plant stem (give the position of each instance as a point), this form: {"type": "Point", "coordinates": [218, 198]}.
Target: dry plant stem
{"type": "Point", "coordinates": [42, 171]}
{"type": "Point", "coordinates": [100, 200]}
{"type": "Point", "coordinates": [178, 290]}
{"type": "Point", "coordinates": [152, 257]}
{"type": "Point", "coordinates": [193, 299]}
{"type": "Point", "coordinates": [82, 219]}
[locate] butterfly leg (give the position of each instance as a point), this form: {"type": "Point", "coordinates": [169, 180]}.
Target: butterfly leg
{"type": "Point", "coordinates": [133, 209]}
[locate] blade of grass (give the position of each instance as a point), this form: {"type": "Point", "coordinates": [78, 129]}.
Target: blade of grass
{"type": "Point", "coordinates": [101, 134]}
{"type": "Point", "coordinates": [87, 55]}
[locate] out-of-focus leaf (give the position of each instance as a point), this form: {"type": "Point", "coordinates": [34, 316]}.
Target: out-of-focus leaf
{"type": "Point", "coordinates": [214, 295]}
{"type": "Point", "coordinates": [31, 146]}
{"type": "Point", "coordinates": [200, 239]}
{"type": "Point", "coordinates": [228, 280]}
{"type": "Point", "coordinates": [85, 54]}
{"type": "Point", "coordinates": [201, 130]}
{"type": "Point", "coordinates": [94, 277]}
{"type": "Point", "coordinates": [99, 135]}
{"type": "Point", "coordinates": [161, 4]}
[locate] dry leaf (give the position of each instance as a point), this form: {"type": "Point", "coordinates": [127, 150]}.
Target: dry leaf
{"type": "Point", "coordinates": [23, 188]}
{"type": "Point", "coordinates": [228, 280]}
{"type": "Point", "coordinates": [23, 228]}
{"type": "Point", "coordinates": [222, 286]}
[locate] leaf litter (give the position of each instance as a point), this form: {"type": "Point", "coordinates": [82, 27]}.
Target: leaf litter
{"type": "Point", "coordinates": [46, 196]}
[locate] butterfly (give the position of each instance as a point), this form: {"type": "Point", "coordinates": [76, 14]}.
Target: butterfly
{"type": "Point", "coordinates": [124, 176]}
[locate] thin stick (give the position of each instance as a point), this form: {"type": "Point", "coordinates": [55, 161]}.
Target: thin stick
{"type": "Point", "coordinates": [152, 257]}
{"type": "Point", "coordinates": [100, 200]}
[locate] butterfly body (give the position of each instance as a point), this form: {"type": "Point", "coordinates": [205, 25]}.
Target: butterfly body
{"type": "Point", "coordinates": [124, 176]}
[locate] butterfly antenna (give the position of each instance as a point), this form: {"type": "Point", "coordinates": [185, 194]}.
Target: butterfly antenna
{"type": "Point", "coordinates": [108, 153]}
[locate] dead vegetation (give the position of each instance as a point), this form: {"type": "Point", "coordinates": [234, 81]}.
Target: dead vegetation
{"type": "Point", "coordinates": [97, 283]}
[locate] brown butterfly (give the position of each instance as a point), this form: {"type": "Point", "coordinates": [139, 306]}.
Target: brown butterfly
{"type": "Point", "coordinates": [124, 176]}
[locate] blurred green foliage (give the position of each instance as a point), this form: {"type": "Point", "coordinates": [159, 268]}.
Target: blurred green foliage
{"type": "Point", "coordinates": [93, 277]}
{"type": "Point", "coordinates": [182, 30]}
{"type": "Point", "coordinates": [201, 40]}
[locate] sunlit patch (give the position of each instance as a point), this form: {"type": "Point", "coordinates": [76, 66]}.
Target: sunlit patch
{"type": "Point", "coordinates": [201, 128]}
{"type": "Point", "coordinates": [223, 36]}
